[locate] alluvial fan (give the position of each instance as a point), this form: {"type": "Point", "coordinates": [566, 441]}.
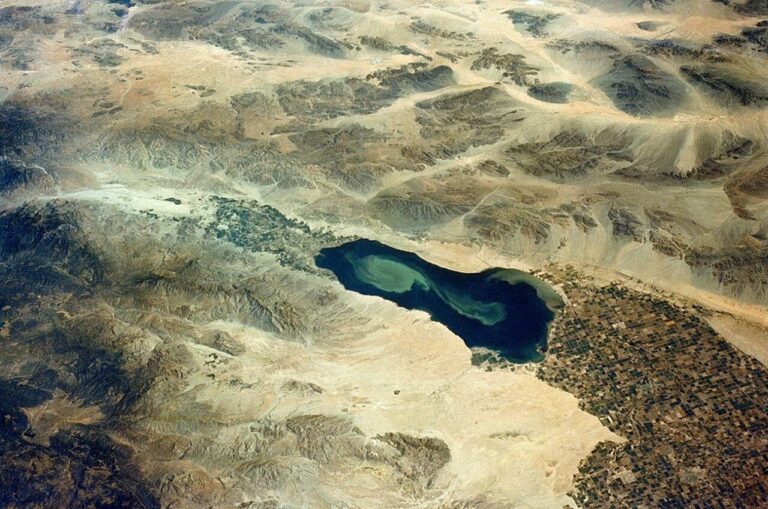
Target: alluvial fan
{"type": "Point", "coordinates": [383, 254]}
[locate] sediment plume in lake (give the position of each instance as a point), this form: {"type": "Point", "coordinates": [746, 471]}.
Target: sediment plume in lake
{"type": "Point", "coordinates": [170, 172]}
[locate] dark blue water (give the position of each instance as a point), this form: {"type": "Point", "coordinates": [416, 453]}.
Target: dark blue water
{"type": "Point", "coordinates": [504, 310]}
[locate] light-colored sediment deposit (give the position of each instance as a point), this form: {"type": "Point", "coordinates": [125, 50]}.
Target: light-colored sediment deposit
{"type": "Point", "coordinates": [170, 169]}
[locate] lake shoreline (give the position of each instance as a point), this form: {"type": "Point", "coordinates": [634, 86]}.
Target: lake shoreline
{"type": "Point", "coordinates": [503, 310]}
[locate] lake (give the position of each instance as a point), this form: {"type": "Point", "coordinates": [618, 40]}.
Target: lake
{"type": "Point", "coordinates": [504, 310]}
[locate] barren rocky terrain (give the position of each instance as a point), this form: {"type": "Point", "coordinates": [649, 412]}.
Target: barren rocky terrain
{"type": "Point", "coordinates": [169, 169]}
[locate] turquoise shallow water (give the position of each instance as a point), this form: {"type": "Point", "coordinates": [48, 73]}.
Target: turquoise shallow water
{"type": "Point", "coordinates": [504, 310]}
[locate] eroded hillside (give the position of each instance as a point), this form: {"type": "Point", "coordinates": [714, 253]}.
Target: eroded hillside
{"type": "Point", "coordinates": [170, 169]}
